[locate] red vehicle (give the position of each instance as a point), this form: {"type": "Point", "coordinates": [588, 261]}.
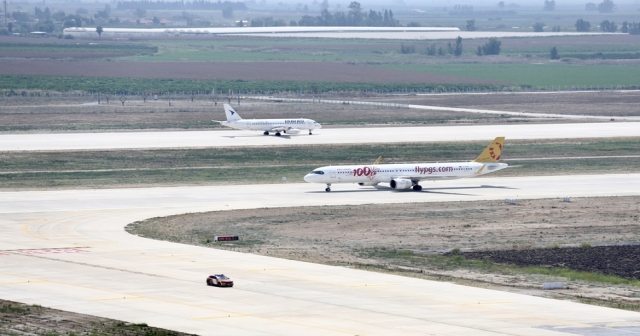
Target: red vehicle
{"type": "Point", "coordinates": [219, 280]}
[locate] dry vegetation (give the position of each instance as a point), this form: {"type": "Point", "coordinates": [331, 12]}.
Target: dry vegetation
{"type": "Point", "coordinates": [83, 113]}
{"type": "Point", "coordinates": [18, 319]}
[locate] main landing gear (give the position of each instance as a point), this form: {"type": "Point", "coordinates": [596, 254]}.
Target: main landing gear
{"type": "Point", "coordinates": [278, 134]}
{"type": "Point", "coordinates": [417, 187]}
{"type": "Point", "coordinates": [328, 189]}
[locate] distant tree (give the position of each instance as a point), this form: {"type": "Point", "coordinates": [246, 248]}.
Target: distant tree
{"type": "Point", "coordinates": [81, 11]}
{"type": "Point", "coordinates": [58, 16]}
{"type": "Point", "coordinates": [441, 51]}
{"type": "Point", "coordinates": [554, 53]}
{"type": "Point", "coordinates": [501, 4]}
{"type": "Point", "coordinates": [10, 27]}
{"type": "Point", "coordinates": [538, 27]}
{"type": "Point", "coordinates": [140, 12]}
{"type": "Point", "coordinates": [492, 47]}
{"type": "Point", "coordinates": [227, 13]}
{"type": "Point", "coordinates": [608, 26]}
{"type": "Point", "coordinates": [413, 24]}
{"type": "Point", "coordinates": [156, 20]}
{"type": "Point", "coordinates": [107, 8]}
{"type": "Point", "coordinates": [606, 6]}
{"type": "Point", "coordinates": [432, 49]}
{"type": "Point", "coordinates": [457, 50]}
{"type": "Point", "coordinates": [215, 97]}
{"type": "Point", "coordinates": [625, 27]}
{"type": "Point", "coordinates": [583, 26]}
{"type": "Point", "coordinates": [4, 31]}
{"type": "Point", "coordinates": [99, 30]}
{"type": "Point", "coordinates": [324, 4]}
{"type": "Point", "coordinates": [590, 6]}
{"type": "Point", "coordinates": [471, 25]}
{"type": "Point", "coordinates": [101, 15]}
{"type": "Point", "coordinates": [20, 16]}
{"type": "Point", "coordinates": [634, 28]}
{"type": "Point", "coordinates": [555, 29]}
{"type": "Point", "coordinates": [479, 51]}
{"type": "Point", "coordinates": [549, 5]}
{"type": "Point", "coordinates": [407, 49]}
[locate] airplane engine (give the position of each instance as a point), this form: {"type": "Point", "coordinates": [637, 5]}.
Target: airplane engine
{"type": "Point", "coordinates": [368, 184]}
{"type": "Point", "coordinates": [293, 131]}
{"type": "Point", "coordinates": [401, 184]}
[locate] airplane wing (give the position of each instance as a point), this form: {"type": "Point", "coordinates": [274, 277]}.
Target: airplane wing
{"type": "Point", "coordinates": [280, 128]}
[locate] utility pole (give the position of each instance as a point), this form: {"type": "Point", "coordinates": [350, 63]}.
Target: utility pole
{"type": "Point", "coordinates": [5, 13]}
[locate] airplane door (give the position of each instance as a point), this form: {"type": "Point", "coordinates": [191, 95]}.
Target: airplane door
{"type": "Point", "coordinates": [332, 173]}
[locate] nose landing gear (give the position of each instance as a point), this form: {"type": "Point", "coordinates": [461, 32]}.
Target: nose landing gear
{"type": "Point", "coordinates": [265, 133]}
{"type": "Point", "coordinates": [328, 189]}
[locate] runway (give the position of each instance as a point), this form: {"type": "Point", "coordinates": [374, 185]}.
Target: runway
{"type": "Point", "coordinates": [68, 250]}
{"type": "Point", "coordinates": [237, 138]}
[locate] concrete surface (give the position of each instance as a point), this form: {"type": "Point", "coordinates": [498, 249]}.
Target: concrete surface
{"type": "Point", "coordinates": [184, 139]}
{"type": "Point", "coordinates": [68, 250]}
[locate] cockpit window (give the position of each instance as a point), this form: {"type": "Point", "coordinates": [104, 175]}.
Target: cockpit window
{"type": "Point", "coordinates": [319, 172]}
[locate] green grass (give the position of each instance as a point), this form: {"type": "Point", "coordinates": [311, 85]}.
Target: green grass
{"type": "Point", "coordinates": [270, 164]}
{"type": "Point", "coordinates": [13, 84]}
{"type": "Point", "coordinates": [549, 74]}
{"type": "Point", "coordinates": [127, 48]}
{"type": "Point", "coordinates": [406, 257]}
{"type": "Point", "coordinates": [234, 56]}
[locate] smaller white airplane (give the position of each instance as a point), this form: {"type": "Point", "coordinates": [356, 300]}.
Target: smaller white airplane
{"type": "Point", "coordinates": [409, 176]}
{"type": "Point", "coordinates": [278, 126]}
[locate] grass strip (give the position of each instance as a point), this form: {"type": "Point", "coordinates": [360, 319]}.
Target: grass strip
{"type": "Point", "coordinates": [270, 164]}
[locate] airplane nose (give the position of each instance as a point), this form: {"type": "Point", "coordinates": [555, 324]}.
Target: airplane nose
{"type": "Point", "coordinates": [309, 177]}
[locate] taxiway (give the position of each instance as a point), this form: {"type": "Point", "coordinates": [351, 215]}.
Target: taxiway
{"type": "Point", "coordinates": [68, 250]}
{"type": "Point", "coordinates": [233, 138]}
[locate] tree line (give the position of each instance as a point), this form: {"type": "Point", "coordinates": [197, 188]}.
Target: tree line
{"type": "Point", "coordinates": [356, 16]}
{"type": "Point", "coordinates": [180, 5]}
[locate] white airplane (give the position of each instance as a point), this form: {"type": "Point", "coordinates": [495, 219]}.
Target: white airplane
{"type": "Point", "coordinates": [405, 176]}
{"type": "Point", "coordinates": [288, 126]}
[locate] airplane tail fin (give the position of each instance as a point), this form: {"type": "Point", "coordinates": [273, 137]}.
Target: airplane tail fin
{"type": "Point", "coordinates": [492, 153]}
{"type": "Point", "coordinates": [232, 115]}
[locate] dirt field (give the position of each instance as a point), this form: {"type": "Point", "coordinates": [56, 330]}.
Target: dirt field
{"type": "Point", "coordinates": [401, 237]}
{"type": "Point", "coordinates": [265, 71]}
{"type": "Point", "coordinates": [81, 114]}
{"type": "Point", "coordinates": [17, 319]}
{"type": "Point", "coordinates": [605, 103]}
{"type": "Point", "coordinates": [74, 55]}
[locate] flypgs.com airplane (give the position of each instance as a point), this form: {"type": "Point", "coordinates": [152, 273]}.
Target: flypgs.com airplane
{"type": "Point", "coordinates": [405, 176]}
{"type": "Point", "coordinates": [288, 126]}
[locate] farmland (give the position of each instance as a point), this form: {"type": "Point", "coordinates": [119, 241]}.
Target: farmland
{"type": "Point", "coordinates": [315, 65]}
{"type": "Point", "coordinates": [546, 75]}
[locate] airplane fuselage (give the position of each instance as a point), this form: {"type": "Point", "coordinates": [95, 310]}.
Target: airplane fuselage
{"type": "Point", "coordinates": [373, 174]}
{"type": "Point", "coordinates": [273, 125]}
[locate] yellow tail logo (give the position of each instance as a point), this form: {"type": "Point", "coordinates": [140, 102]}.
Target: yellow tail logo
{"type": "Point", "coordinates": [492, 152]}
